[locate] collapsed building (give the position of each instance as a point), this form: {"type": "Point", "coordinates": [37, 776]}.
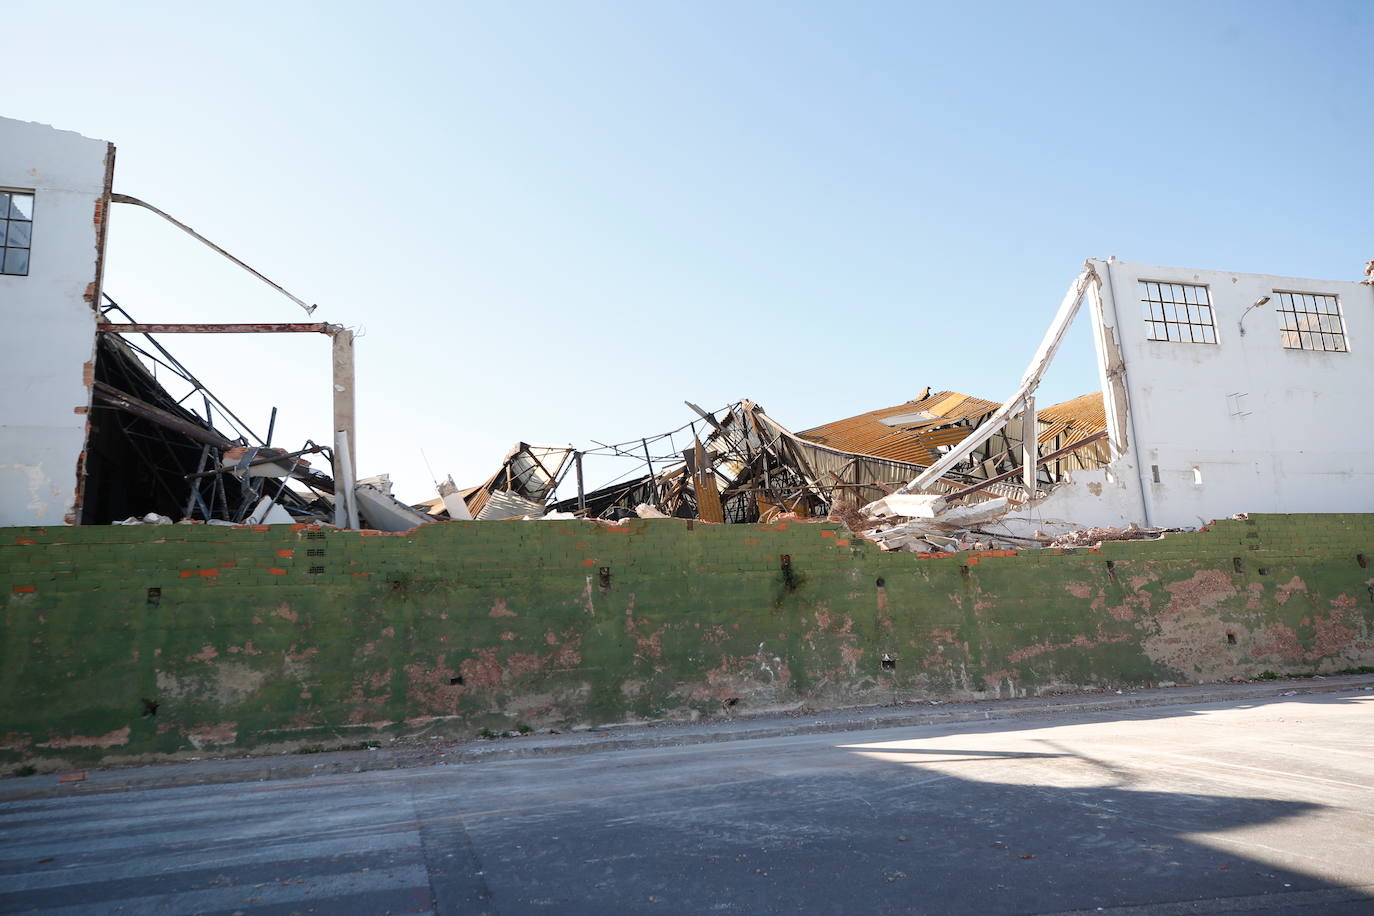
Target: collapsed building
{"type": "Point", "coordinates": [1220, 393]}
{"type": "Point", "coordinates": [90, 433]}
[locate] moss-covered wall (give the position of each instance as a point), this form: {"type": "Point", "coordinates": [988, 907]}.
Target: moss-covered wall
{"type": "Point", "coordinates": [120, 642]}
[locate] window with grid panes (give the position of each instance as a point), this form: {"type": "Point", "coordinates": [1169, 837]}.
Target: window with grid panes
{"type": "Point", "coordinates": [16, 232]}
{"type": "Point", "coordinates": [1308, 321]}
{"type": "Point", "coordinates": [1178, 311]}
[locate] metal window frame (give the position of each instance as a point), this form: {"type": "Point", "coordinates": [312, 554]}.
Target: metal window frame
{"type": "Point", "coordinates": [1321, 340]}
{"type": "Point", "coordinates": [1164, 322]}
{"type": "Point", "coordinates": [6, 220]}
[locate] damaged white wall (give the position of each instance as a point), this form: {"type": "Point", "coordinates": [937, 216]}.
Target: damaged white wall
{"type": "Point", "coordinates": [49, 339]}
{"type": "Point", "coordinates": [1239, 425]}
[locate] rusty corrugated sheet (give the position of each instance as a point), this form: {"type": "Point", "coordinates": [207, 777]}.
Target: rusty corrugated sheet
{"type": "Point", "coordinates": [866, 434]}
{"type": "Point", "coordinates": [955, 416]}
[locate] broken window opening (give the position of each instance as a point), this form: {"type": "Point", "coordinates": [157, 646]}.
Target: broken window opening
{"type": "Point", "coordinates": [1179, 312]}
{"type": "Point", "coordinates": [1310, 321]}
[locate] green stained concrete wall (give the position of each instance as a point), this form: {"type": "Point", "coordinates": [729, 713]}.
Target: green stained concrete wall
{"type": "Point", "coordinates": [271, 637]}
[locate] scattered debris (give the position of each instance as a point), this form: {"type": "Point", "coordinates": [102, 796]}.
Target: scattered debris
{"type": "Point", "coordinates": [1091, 537]}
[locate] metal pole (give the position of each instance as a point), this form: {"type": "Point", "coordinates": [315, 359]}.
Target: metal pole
{"type": "Point", "coordinates": [581, 493]}
{"type": "Point", "coordinates": [653, 489]}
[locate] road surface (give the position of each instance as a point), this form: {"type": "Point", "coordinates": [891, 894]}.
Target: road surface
{"type": "Point", "coordinates": [1242, 806]}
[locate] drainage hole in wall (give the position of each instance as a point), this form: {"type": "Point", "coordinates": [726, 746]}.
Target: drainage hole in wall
{"type": "Point", "coordinates": [315, 570]}
{"type": "Point", "coordinates": [1230, 639]}
{"type": "Point", "coordinates": [314, 552]}
{"type": "Point", "coordinates": [154, 596]}
{"type": "Point", "coordinates": [1359, 558]}
{"type": "Point", "coordinates": [889, 663]}
{"type": "Point", "coordinates": [314, 535]}
{"type": "Point", "coordinates": [729, 701]}
{"type": "Point", "coordinates": [150, 708]}
{"type": "Point", "coordinates": [455, 681]}
{"type": "Point", "coordinates": [605, 578]}
{"type": "Point", "coordinates": [1237, 564]}
{"type": "Point", "coordinates": [1263, 571]}
{"type": "Point", "coordinates": [1154, 472]}
{"type": "Point", "coordinates": [880, 582]}
{"type": "Point", "coordinates": [1111, 566]}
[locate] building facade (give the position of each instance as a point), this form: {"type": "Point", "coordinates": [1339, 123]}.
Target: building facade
{"type": "Point", "coordinates": [54, 188]}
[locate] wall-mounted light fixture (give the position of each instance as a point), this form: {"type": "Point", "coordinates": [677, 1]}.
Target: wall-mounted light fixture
{"type": "Point", "coordinates": [1262, 300]}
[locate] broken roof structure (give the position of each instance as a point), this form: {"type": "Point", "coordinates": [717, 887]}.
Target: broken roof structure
{"type": "Point", "coordinates": [1194, 387]}
{"type": "Point", "coordinates": [96, 435]}
{"type": "Point", "coordinates": [1220, 393]}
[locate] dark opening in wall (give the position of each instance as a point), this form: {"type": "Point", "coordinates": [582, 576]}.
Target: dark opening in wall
{"type": "Point", "coordinates": [1359, 558]}
{"type": "Point", "coordinates": [789, 579]}
{"type": "Point", "coordinates": [889, 663]}
{"type": "Point", "coordinates": [1237, 565]}
{"type": "Point", "coordinates": [455, 681]}
{"type": "Point", "coordinates": [605, 578]}
{"type": "Point", "coordinates": [133, 465]}
{"type": "Point", "coordinates": [149, 708]}
{"type": "Point", "coordinates": [1230, 639]}
{"type": "Point", "coordinates": [154, 597]}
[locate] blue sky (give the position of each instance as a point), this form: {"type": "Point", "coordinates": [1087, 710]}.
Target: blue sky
{"type": "Point", "coordinates": [556, 221]}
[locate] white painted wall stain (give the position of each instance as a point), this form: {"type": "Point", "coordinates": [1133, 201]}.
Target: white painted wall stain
{"type": "Point", "coordinates": [49, 327]}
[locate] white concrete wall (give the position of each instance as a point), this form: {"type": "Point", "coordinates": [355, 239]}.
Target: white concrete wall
{"type": "Point", "coordinates": [48, 341]}
{"type": "Point", "coordinates": [1307, 443]}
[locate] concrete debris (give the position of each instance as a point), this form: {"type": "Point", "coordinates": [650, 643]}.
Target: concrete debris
{"type": "Point", "coordinates": [383, 512]}
{"type": "Point", "coordinates": [453, 502]}
{"type": "Point", "coordinates": [1091, 537]}
{"type": "Point", "coordinates": [910, 505]}
{"type": "Point", "coordinates": [267, 512]}
{"type": "Point", "coordinates": [152, 518]}
{"type": "Point", "coordinates": [945, 531]}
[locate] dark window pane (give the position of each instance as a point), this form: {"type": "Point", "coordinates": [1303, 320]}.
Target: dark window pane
{"type": "Point", "coordinates": [4, 204]}
{"type": "Point", "coordinates": [21, 206]}
{"type": "Point", "coordinates": [4, 225]}
{"type": "Point", "coordinates": [16, 261]}
{"type": "Point", "coordinates": [20, 233]}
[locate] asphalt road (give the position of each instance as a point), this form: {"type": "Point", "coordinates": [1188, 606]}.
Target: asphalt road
{"type": "Point", "coordinates": [1244, 806]}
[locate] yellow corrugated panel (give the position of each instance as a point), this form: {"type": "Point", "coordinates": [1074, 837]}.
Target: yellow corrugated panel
{"type": "Point", "coordinates": [866, 434]}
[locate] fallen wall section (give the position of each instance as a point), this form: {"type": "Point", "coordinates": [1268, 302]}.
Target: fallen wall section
{"type": "Point", "coordinates": [125, 643]}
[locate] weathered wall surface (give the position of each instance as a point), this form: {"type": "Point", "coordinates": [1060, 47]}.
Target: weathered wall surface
{"type": "Point", "coordinates": [249, 638]}
{"type": "Point", "coordinates": [1268, 429]}
{"type": "Point", "coordinates": [48, 345]}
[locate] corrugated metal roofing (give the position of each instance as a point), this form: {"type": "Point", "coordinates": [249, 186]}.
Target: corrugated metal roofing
{"type": "Point", "coordinates": [1074, 419]}
{"type": "Point", "coordinates": [867, 434]}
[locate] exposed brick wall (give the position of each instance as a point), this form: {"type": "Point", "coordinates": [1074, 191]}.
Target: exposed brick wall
{"type": "Point", "coordinates": [245, 638]}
